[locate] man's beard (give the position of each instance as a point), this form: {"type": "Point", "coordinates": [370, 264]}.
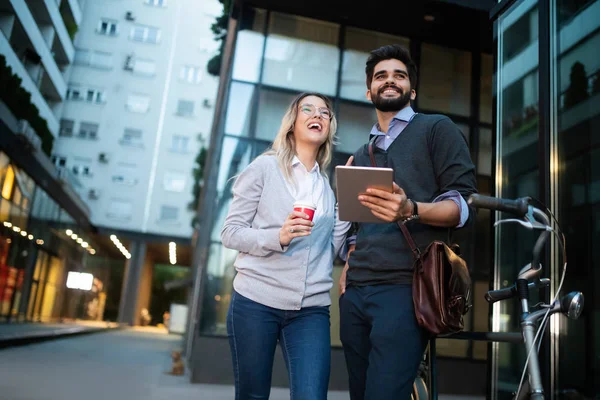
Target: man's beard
{"type": "Point", "coordinates": [391, 104]}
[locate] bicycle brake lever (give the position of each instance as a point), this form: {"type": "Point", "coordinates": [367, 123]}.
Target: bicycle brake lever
{"type": "Point", "coordinates": [526, 224]}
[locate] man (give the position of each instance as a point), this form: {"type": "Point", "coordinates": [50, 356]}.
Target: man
{"type": "Point", "coordinates": [433, 175]}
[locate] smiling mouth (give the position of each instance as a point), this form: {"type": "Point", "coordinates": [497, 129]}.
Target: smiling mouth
{"type": "Point", "coordinates": [315, 126]}
{"type": "Point", "coordinates": [390, 90]}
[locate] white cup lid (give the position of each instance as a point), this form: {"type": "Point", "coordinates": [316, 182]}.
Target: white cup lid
{"type": "Point", "coordinates": [305, 204]}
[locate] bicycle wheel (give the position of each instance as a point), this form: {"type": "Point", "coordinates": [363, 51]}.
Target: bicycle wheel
{"type": "Point", "coordinates": [419, 390]}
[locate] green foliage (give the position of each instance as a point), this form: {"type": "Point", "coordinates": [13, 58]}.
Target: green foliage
{"type": "Point", "coordinates": [18, 100]}
{"type": "Point", "coordinates": [161, 299]}
{"type": "Point", "coordinates": [71, 29]}
{"type": "Point", "coordinates": [197, 173]}
{"type": "Point", "coordinates": [219, 29]}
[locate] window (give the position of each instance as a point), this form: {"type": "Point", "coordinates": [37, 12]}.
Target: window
{"type": "Point", "coordinates": [144, 67]}
{"type": "Point", "coordinates": [81, 169]}
{"type": "Point", "coordinates": [448, 89]}
{"type": "Point", "coordinates": [185, 108]}
{"type": "Point", "coordinates": [301, 54]}
{"type": "Point", "coordinates": [179, 144]}
{"type": "Point", "coordinates": [132, 137]}
{"type": "Point", "coordinates": [59, 161]}
{"type": "Point", "coordinates": [88, 130]}
{"type": "Point", "coordinates": [146, 34]}
{"type": "Point", "coordinates": [89, 95]}
{"type": "Point", "coordinates": [119, 209]}
{"type": "Point", "coordinates": [138, 103]}
{"type": "Point", "coordinates": [168, 213]}
{"type": "Point", "coordinates": [156, 3]}
{"type": "Point", "coordinates": [174, 182]}
{"type": "Point", "coordinates": [107, 27]}
{"type": "Point", "coordinates": [92, 58]}
{"type": "Point", "coordinates": [66, 127]}
{"type": "Point", "coordinates": [190, 74]}
{"type": "Point", "coordinates": [123, 179]}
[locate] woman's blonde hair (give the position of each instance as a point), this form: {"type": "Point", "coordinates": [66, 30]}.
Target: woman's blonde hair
{"type": "Point", "coordinates": [284, 145]}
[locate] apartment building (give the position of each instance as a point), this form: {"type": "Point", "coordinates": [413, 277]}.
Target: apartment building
{"type": "Point", "coordinates": [139, 107]}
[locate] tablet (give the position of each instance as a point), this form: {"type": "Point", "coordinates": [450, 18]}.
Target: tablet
{"type": "Point", "coordinates": [351, 181]}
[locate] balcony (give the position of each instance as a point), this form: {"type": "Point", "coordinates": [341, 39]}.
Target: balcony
{"type": "Point", "coordinates": [47, 14]}
{"type": "Point", "coordinates": [73, 8]}
{"type": "Point", "coordinates": [29, 28]}
{"type": "Point", "coordinates": [28, 84]}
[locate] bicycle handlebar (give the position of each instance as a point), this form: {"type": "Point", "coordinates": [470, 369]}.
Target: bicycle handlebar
{"type": "Point", "coordinates": [518, 207]}
{"type": "Point", "coordinates": [506, 293]}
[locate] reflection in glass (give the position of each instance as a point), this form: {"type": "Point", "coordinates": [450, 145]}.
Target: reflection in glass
{"type": "Point", "coordinates": [249, 46]}
{"type": "Point", "coordinates": [577, 187]}
{"type": "Point", "coordinates": [235, 156]}
{"type": "Point", "coordinates": [484, 158]}
{"type": "Point", "coordinates": [272, 106]}
{"type": "Point", "coordinates": [517, 174]}
{"type": "Point", "coordinates": [301, 54]}
{"type": "Point", "coordinates": [447, 89]}
{"type": "Point", "coordinates": [354, 125]}
{"type": "Point", "coordinates": [485, 88]}
{"type": "Point", "coordinates": [239, 110]}
{"type": "Point", "coordinates": [359, 43]}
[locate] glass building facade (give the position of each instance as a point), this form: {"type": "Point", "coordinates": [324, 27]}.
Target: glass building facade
{"type": "Point", "coordinates": [547, 95]}
{"type": "Point", "coordinates": [530, 111]}
{"type": "Point", "coordinates": [278, 55]}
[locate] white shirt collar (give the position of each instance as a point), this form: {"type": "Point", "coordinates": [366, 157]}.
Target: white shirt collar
{"type": "Point", "coordinates": [296, 161]}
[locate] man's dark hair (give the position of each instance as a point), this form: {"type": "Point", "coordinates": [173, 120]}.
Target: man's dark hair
{"type": "Point", "coordinates": [388, 52]}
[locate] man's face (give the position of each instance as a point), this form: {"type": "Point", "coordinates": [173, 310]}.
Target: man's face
{"type": "Point", "coordinates": [390, 88]}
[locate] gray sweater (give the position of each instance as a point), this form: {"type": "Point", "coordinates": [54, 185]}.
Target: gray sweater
{"type": "Point", "coordinates": [289, 278]}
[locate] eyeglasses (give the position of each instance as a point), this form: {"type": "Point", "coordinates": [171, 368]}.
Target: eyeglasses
{"type": "Point", "coordinates": [310, 109]}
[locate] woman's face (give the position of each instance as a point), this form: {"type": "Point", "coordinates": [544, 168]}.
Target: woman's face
{"type": "Point", "coordinates": [312, 122]}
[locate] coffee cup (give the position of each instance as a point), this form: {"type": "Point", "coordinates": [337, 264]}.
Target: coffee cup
{"type": "Point", "coordinates": [305, 207]}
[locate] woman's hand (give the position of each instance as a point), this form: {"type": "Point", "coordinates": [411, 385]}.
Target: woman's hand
{"type": "Point", "coordinates": [295, 225]}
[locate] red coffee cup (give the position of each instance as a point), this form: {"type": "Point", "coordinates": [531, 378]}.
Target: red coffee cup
{"type": "Point", "coordinates": [306, 208]}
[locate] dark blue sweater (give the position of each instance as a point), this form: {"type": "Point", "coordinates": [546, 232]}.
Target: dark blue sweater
{"type": "Point", "coordinates": [430, 157]}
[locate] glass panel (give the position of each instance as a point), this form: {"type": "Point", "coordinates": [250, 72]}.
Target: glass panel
{"type": "Point", "coordinates": [239, 106]}
{"type": "Point", "coordinates": [235, 156]}
{"type": "Point", "coordinates": [484, 157]}
{"type": "Point", "coordinates": [358, 44]}
{"type": "Point", "coordinates": [272, 107]}
{"type": "Point", "coordinates": [249, 45]}
{"type": "Point", "coordinates": [301, 54]}
{"type": "Point", "coordinates": [517, 172]}
{"type": "Point", "coordinates": [577, 187]}
{"type": "Point", "coordinates": [354, 125]}
{"type": "Point", "coordinates": [446, 89]}
{"type": "Point", "coordinates": [217, 289]}
{"type": "Point", "coordinates": [485, 89]}
{"type": "Point", "coordinates": [466, 131]}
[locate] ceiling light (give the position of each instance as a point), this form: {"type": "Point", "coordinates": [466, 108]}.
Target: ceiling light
{"type": "Point", "coordinates": [69, 232]}
{"type": "Point", "coordinates": [30, 237]}
{"type": "Point", "coordinates": [7, 224]}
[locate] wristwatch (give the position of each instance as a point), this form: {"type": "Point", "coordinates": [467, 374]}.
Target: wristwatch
{"type": "Point", "coordinates": [415, 214]}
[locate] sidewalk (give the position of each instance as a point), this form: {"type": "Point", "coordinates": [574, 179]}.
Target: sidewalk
{"type": "Point", "coordinates": [130, 363]}
{"type": "Point", "coordinates": [22, 333]}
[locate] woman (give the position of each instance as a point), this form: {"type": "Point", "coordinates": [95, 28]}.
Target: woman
{"type": "Point", "coordinates": [281, 289]}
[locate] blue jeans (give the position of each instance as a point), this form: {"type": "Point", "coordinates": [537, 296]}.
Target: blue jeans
{"type": "Point", "coordinates": [383, 344]}
{"type": "Point", "coordinates": [304, 337]}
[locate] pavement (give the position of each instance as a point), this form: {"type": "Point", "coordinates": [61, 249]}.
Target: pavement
{"type": "Point", "coordinates": [126, 363]}
{"type": "Point", "coordinates": [17, 334]}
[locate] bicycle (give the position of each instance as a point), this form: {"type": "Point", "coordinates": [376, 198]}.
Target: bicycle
{"type": "Point", "coordinates": [571, 305]}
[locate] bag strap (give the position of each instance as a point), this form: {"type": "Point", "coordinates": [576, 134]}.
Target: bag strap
{"type": "Point", "coordinates": [403, 228]}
